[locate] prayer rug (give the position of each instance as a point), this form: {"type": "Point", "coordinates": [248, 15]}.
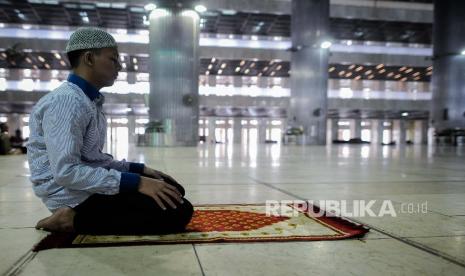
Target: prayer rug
{"type": "Point", "coordinates": [229, 223]}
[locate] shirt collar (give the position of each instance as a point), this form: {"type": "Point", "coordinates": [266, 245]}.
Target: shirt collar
{"type": "Point", "coordinates": [85, 86]}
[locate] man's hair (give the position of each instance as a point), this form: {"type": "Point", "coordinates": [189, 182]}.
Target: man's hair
{"type": "Point", "coordinates": [75, 56]}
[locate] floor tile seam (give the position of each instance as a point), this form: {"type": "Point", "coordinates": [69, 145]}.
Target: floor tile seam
{"type": "Point", "coordinates": [369, 182]}
{"type": "Point", "coordinates": [407, 241]}
{"type": "Point", "coordinates": [429, 210]}
{"type": "Point", "coordinates": [198, 259]}
{"type": "Point", "coordinates": [17, 227]}
{"type": "Point", "coordinates": [21, 263]}
{"type": "Point", "coordinates": [434, 236]}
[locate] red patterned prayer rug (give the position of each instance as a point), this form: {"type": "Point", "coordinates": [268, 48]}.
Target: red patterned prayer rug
{"type": "Point", "coordinates": [228, 223]}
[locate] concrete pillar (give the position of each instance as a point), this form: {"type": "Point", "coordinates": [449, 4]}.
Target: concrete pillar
{"type": "Point", "coordinates": [14, 122]}
{"type": "Point", "coordinates": [309, 63]}
{"type": "Point", "coordinates": [237, 131]}
{"type": "Point", "coordinates": [421, 132]}
{"type": "Point", "coordinates": [377, 127]}
{"type": "Point", "coordinates": [400, 131]}
{"type": "Point", "coordinates": [211, 129]}
{"type": "Point", "coordinates": [356, 128]}
{"type": "Point", "coordinates": [261, 130]}
{"type": "Point", "coordinates": [132, 139]}
{"type": "Point", "coordinates": [448, 84]}
{"type": "Point", "coordinates": [173, 66]}
{"type": "Point", "coordinates": [333, 128]}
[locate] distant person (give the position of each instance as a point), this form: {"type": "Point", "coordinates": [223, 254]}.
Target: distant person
{"type": "Point", "coordinates": [17, 141]}
{"type": "Point", "coordinates": [86, 190]}
{"type": "Point", "coordinates": [5, 144]}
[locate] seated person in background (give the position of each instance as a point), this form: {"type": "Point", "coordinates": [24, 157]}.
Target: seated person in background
{"type": "Point", "coordinates": [17, 141]}
{"type": "Point", "coordinates": [5, 144]}
{"type": "Point", "coordinates": [86, 190]}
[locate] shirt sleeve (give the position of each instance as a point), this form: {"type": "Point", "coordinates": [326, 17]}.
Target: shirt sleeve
{"type": "Point", "coordinates": [64, 125]}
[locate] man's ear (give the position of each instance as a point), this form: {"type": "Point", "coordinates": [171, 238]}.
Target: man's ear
{"type": "Point", "coordinates": [88, 58]}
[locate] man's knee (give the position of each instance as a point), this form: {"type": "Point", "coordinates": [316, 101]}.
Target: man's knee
{"type": "Point", "coordinates": [184, 213]}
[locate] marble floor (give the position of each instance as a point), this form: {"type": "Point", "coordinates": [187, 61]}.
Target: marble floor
{"type": "Point", "coordinates": [417, 241]}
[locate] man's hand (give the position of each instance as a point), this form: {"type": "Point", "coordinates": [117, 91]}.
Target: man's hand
{"type": "Point", "coordinates": [160, 192]}
{"type": "Point", "coordinates": [157, 174]}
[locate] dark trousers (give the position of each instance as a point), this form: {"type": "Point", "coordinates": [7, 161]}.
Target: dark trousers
{"type": "Point", "coordinates": [130, 214]}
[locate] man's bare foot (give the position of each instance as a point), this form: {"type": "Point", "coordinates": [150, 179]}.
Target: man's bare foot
{"type": "Point", "coordinates": [62, 220]}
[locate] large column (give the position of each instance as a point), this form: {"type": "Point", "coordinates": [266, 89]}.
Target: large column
{"type": "Point", "coordinates": [377, 127]}
{"type": "Point", "coordinates": [356, 128]}
{"type": "Point", "coordinates": [237, 130]}
{"type": "Point", "coordinates": [174, 62]}
{"type": "Point", "coordinates": [211, 138]}
{"type": "Point", "coordinates": [309, 68]}
{"type": "Point", "coordinates": [262, 130]}
{"type": "Point", "coordinates": [448, 104]}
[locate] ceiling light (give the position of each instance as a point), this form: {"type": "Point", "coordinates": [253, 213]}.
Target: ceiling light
{"type": "Point", "coordinates": [63, 63]}
{"type": "Point", "coordinates": [397, 76]}
{"type": "Point", "coordinates": [360, 68]}
{"type": "Point", "coordinates": [213, 60]}
{"type": "Point", "coordinates": [200, 8]}
{"type": "Point", "coordinates": [352, 67]}
{"type": "Point", "coordinates": [207, 73]}
{"type": "Point", "coordinates": [57, 55]}
{"type": "Point", "coordinates": [246, 71]}
{"type": "Point", "coordinates": [379, 66]}
{"type": "Point", "coordinates": [368, 72]}
{"type": "Point", "coordinates": [46, 65]}
{"type": "Point", "coordinates": [279, 67]}
{"type": "Point", "coordinates": [150, 6]}
{"type": "Point", "coordinates": [252, 65]}
{"type": "Point", "coordinates": [382, 71]}
{"type": "Point", "coordinates": [408, 71]}
{"type": "Point", "coordinates": [348, 74]}
{"type": "Point", "coordinates": [403, 79]}
{"type": "Point", "coordinates": [357, 77]}
{"type": "Point", "coordinates": [332, 69]}
{"type": "Point", "coordinates": [266, 68]}
{"type": "Point", "coordinates": [272, 73]}
{"type": "Point", "coordinates": [41, 58]}
{"type": "Point", "coordinates": [371, 76]}
{"type": "Point", "coordinates": [463, 53]}
{"type": "Point", "coordinates": [325, 44]}
{"type": "Point", "coordinates": [429, 68]}
{"type": "Point", "coordinates": [210, 66]}
{"type": "Point", "coordinates": [220, 72]}
{"type": "Point", "coordinates": [260, 74]}
{"type": "Point", "coordinates": [404, 114]}
{"type": "Point", "coordinates": [223, 65]}
{"type": "Point", "coordinates": [403, 68]}
{"type": "Point", "coordinates": [416, 74]}
{"type": "Point", "coordinates": [390, 74]}
{"type": "Point", "coordinates": [134, 60]}
{"type": "Point", "coordinates": [136, 67]}
{"type": "Point", "coordinates": [238, 69]}
{"type": "Point", "coordinates": [242, 63]}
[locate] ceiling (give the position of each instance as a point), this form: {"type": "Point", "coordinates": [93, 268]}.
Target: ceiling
{"type": "Point", "coordinates": [265, 68]}
{"type": "Point", "coordinates": [225, 22]}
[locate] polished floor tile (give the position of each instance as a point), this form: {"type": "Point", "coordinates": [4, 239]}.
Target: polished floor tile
{"type": "Point", "coordinates": [215, 174]}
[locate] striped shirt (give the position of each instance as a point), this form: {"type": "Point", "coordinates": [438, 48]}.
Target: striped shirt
{"type": "Point", "coordinates": [67, 135]}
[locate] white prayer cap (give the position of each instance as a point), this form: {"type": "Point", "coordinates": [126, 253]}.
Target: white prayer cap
{"type": "Point", "coordinates": [90, 38]}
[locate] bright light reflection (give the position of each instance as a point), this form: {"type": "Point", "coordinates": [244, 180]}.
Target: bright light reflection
{"type": "Point", "coordinates": [365, 152]}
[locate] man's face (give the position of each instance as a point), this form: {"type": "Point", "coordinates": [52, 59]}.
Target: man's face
{"type": "Point", "coordinates": [106, 66]}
